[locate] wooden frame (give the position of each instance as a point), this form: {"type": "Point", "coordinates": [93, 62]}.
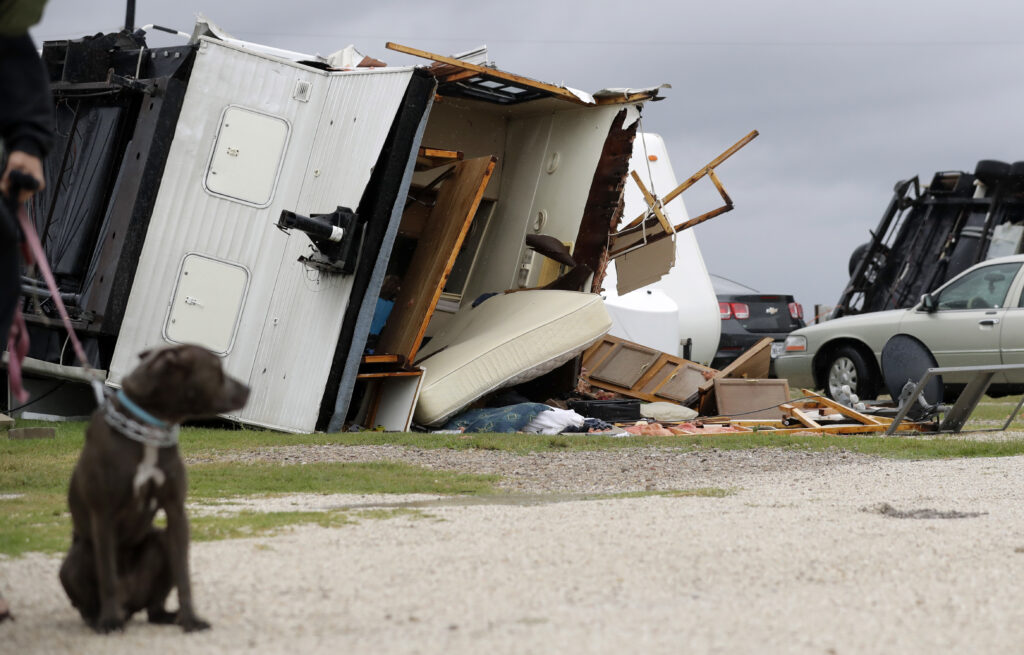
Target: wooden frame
{"type": "Point", "coordinates": [643, 229]}
{"type": "Point", "coordinates": [657, 376]}
{"type": "Point", "coordinates": [457, 201]}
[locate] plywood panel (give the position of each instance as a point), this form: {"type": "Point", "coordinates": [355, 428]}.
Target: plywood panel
{"type": "Point", "coordinates": [457, 202]}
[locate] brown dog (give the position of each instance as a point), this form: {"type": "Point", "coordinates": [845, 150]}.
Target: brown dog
{"type": "Point", "coordinates": [119, 563]}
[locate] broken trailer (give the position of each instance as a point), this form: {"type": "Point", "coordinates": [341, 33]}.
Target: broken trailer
{"type": "Point", "coordinates": [254, 200]}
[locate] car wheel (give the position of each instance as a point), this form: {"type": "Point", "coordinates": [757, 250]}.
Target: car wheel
{"type": "Point", "coordinates": [848, 368]}
{"type": "Point", "coordinates": [857, 255]}
{"type": "Point", "coordinates": [991, 171]}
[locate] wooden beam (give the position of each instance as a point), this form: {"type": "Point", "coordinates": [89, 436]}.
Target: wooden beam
{"type": "Point", "coordinates": [388, 374]}
{"type": "Point", "coordinates": [791, 410]}
{"type": "Point", "coordinates": [848, 412]}
{"type": "Point", "coordinates": [685, 225]}
{"type": "Point", "coordinates": [718, 185]}
{"type": "Point", "coordinates": [461, 75]}
{"type": "Point", "coordinates": [625, 99]}
{"type": "Point", "coordinates": [557, 91]}
{"type": "Point", "coordinates": [652, 203]}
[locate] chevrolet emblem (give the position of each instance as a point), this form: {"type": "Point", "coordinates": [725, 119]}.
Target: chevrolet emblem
{"type": "Point", "coordinates": [772, 311]}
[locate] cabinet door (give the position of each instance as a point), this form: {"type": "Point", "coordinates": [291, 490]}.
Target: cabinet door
{"type": "Point", "coordinates": [625, 365]}
{"type": "Point", "coordinates": [682, 383]}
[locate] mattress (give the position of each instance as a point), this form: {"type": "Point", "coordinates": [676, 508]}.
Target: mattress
{"type": "Point", "coordinates": [506, 340]}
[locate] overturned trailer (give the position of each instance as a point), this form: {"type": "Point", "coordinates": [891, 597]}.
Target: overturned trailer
{"type": "Point", "coordinates": [254, 200]}
{"type": "Point", "coordinates": [929, 234]}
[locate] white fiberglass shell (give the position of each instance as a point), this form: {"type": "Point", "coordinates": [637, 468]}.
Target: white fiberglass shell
{"type": "Point", "coordinates": [288, 326]}
{"type": "Point", "coordinates": [688, 283]}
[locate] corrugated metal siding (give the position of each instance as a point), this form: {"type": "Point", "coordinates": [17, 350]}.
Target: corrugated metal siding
{"type": "Point", "coordinates": [292, 315]}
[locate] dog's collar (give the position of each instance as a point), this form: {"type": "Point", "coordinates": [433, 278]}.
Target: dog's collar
{"type": "Point", "coordinates": [151, 431]}
{"type": "Point", "coordinates": [140, 413]}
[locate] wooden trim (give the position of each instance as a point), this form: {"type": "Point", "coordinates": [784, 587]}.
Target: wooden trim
{"type": "Point", "coordinates": [489, 72]}
{"type": "Point", "coordinates": [382, 359]}
{"type": "Point", "coordinates": [437, 153]}
{"type": "Point", "coordinates": [388, 374]}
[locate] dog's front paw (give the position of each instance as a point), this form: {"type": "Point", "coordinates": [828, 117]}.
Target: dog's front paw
{"type": "Point", "coordinates": [107, 624]}
{"type": "Point", "coordinates": [192, 623]}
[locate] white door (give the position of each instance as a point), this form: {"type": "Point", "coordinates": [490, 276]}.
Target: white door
{"type": "Point", "coordinates": [1012, 333]}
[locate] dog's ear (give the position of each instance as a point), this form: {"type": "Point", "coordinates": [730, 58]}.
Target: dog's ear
{"type": "Point", "coordinates": [155, 370]}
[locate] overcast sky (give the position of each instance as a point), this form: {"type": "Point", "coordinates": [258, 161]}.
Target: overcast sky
{"type": "Point", "coordinates": [848, 97]}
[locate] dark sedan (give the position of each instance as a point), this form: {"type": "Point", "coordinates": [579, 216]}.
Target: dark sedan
{"type": "Point", "coordinates": [749, 316]}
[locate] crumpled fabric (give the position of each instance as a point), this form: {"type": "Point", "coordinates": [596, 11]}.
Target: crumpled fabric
{"type": "Point", "coordinates": [555, 421]}
{"type": "Point", "coordinates": [596, 425]}
{"type": "Point", "coordinates": [511, 418]}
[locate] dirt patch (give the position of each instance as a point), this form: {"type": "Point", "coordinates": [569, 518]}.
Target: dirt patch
{"type": "Point", "coordinates": [885, 509]}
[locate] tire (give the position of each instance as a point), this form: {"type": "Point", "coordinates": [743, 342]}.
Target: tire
{"type": "Point", "coordinates": [857, 255]}
{"type": "Point", "coordinates": [847, 366]}
{"type": "Point", "coordinates": [991, 171]}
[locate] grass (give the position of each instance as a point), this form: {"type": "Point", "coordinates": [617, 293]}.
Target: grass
{"type": "Point", "coordinates": [38, 470]}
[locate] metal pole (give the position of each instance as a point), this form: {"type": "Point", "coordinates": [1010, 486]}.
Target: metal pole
{"type": "Point", "coordinates": [129, 16]}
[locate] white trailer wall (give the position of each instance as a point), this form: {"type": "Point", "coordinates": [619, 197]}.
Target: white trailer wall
{"type": "Point", "coordinates": [291, 314]}
{"type": "Point", "coordinates": [550, 159]}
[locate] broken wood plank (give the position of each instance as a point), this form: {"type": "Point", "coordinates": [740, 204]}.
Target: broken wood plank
{"type": "Point", "coordinates": [652, 204]}
{"type": "Point", "coordinates": [428, 158]}
{"type": "Point", "coordinates": [383, 359]}
{"type": "Point", "coordinates": [460, 75]}
{"type": "Point", "coordinates": [556, 91]}
{"type": "Point", "coordinates": [848, 412]}
{"type": "Point", "coordinates": [457, 201]}
{"type": "Point", "coordinates": [798, 414]}
{"type": "Point", "coordinates": [776, 427]}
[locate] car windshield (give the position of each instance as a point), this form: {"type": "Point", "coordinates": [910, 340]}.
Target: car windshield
{"type": "Point", "coordinates": [983, 288]}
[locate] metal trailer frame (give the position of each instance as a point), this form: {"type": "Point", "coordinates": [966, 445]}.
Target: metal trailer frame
{"type": "Point", "coordinates": [957, 415]}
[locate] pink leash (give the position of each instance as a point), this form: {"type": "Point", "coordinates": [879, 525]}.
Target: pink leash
{"type": "Point", "coordinates": [17, 341]}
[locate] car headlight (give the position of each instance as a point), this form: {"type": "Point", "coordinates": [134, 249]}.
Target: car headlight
{"type": "Point", "coordinates": [796, 343]}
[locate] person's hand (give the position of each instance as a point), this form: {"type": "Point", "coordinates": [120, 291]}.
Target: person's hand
{"type": "Point", "coordinates": [27, 164]}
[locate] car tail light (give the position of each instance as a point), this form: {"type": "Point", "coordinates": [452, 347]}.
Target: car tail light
{"type": "Point", "coordinates": [724, 311]}
{"type": "Point", "coordinates": [796, 310]}
{"type": "Point", "coordinates": [740, 310]}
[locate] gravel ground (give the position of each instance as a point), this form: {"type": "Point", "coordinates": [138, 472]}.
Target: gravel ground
{"type": "Point", "coordinates": [811, 553]}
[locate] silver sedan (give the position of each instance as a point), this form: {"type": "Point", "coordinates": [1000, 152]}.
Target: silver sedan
{"type": "Point", "coordinates": [977, 318]}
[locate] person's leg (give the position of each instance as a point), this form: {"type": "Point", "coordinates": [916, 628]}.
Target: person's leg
{"type": "Point", "coordinates": [10, 274]}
